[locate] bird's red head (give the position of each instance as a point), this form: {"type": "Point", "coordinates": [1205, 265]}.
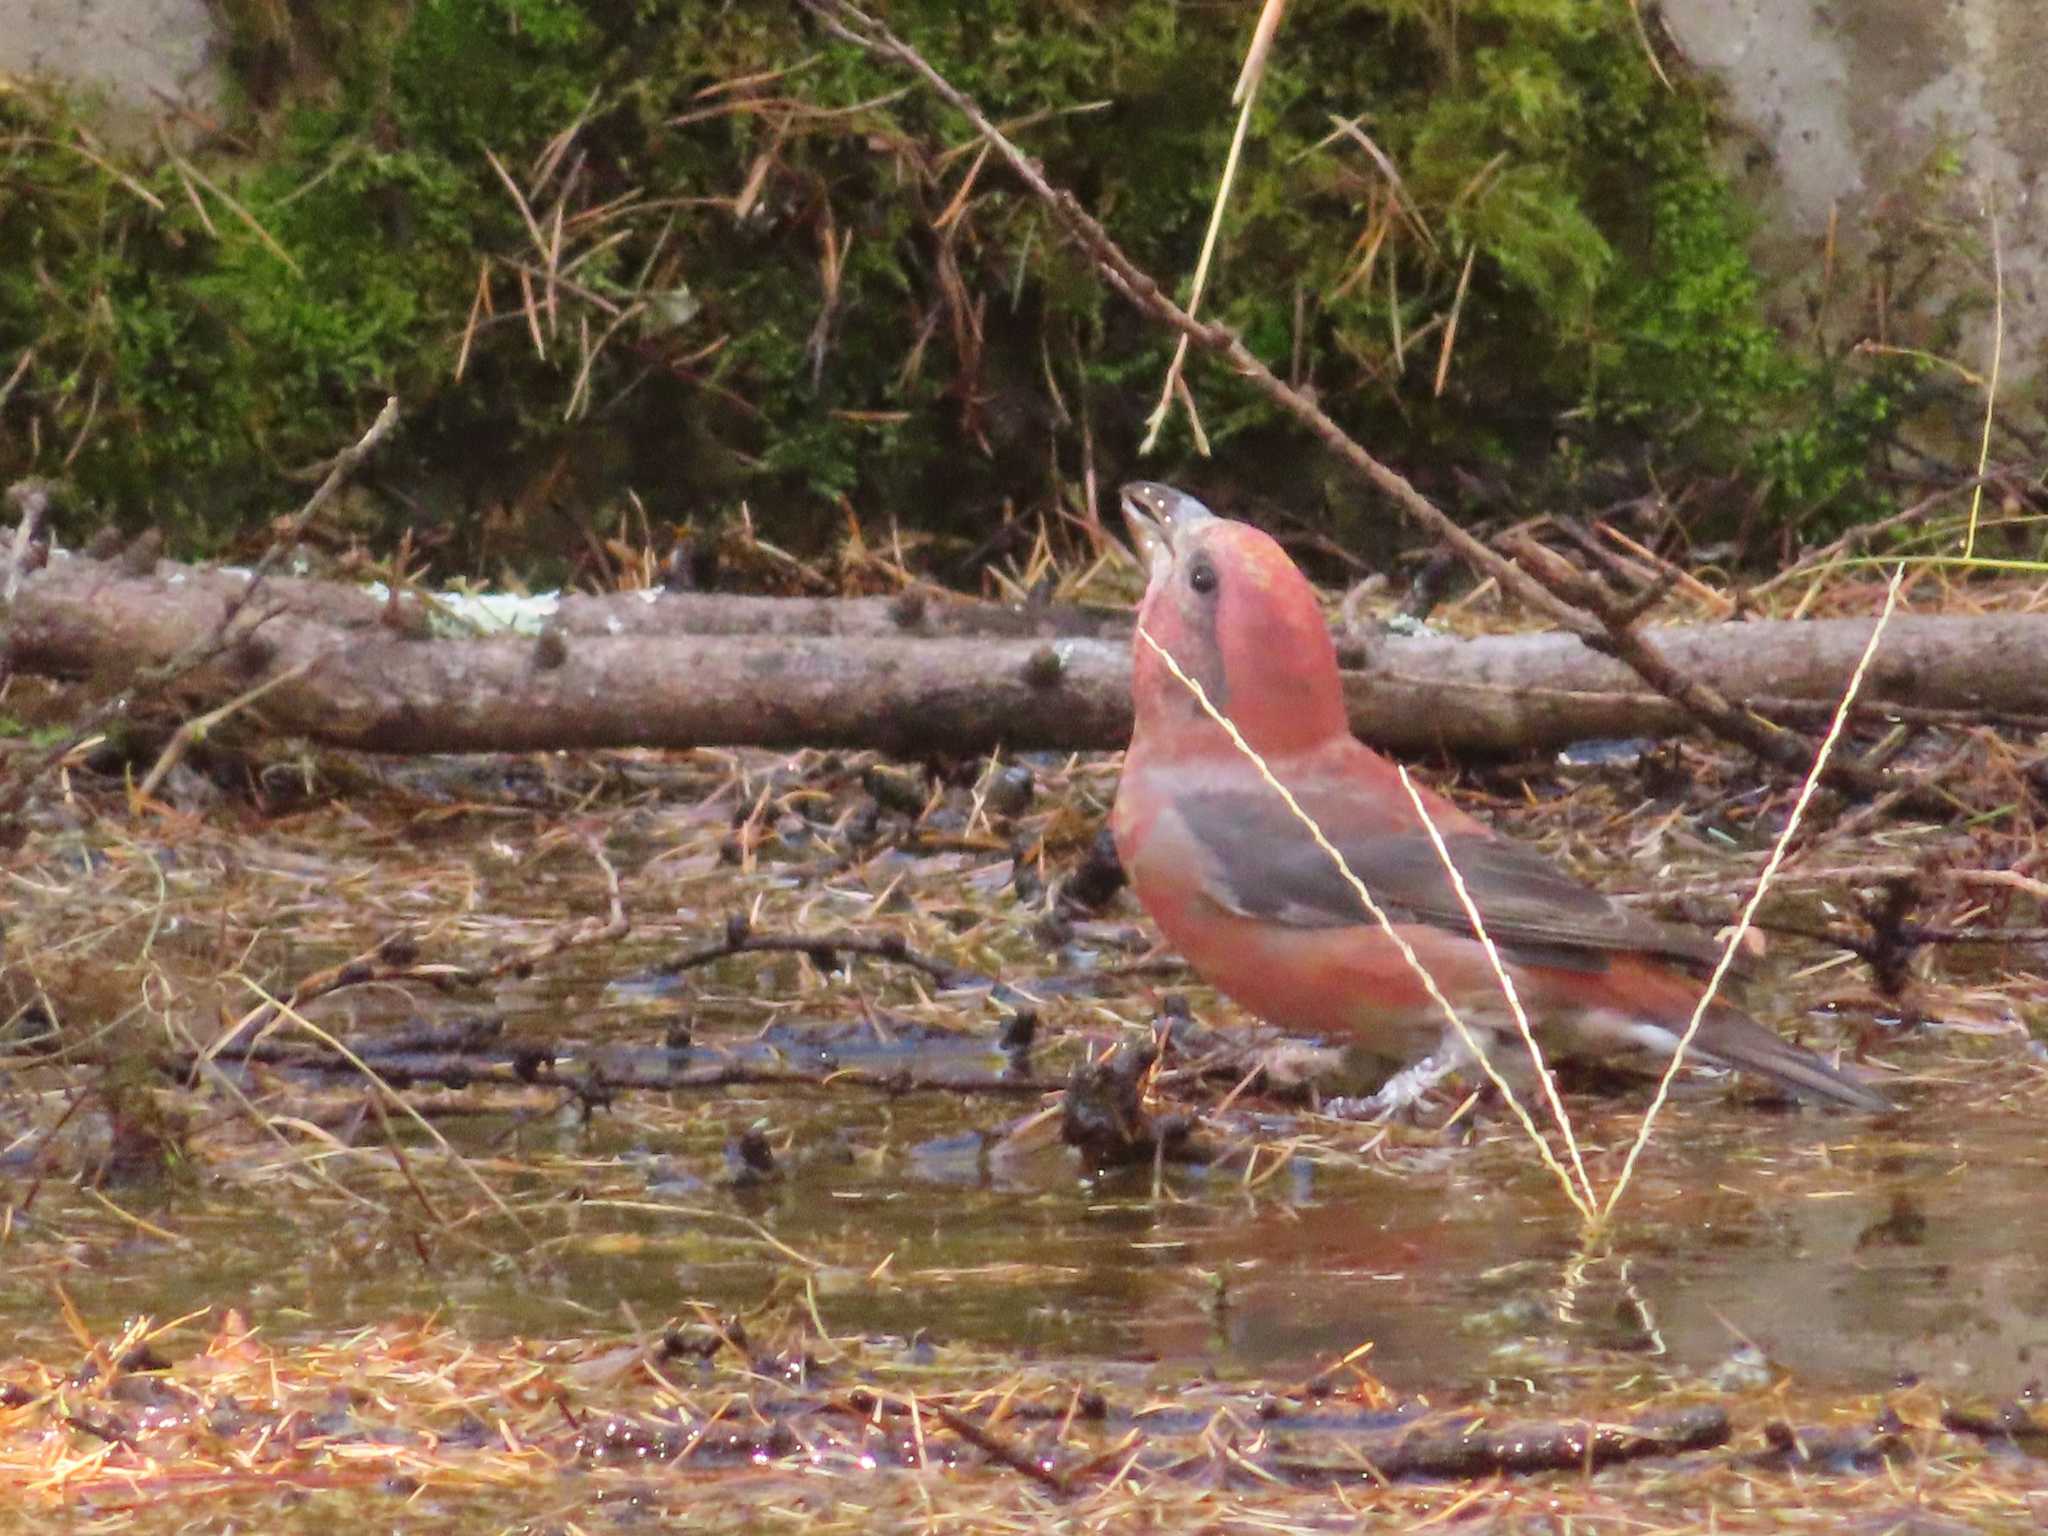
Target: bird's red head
{"type": "Point", "coordinates": [1237, 615]}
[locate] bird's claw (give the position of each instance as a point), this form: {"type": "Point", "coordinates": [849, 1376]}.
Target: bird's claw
{"type": "Point", "coordinates": [1399, 1096]}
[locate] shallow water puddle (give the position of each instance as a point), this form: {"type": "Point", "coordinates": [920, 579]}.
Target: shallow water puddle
{"type": "Point", "coordinates": [1766, 1249]}
{"type": "Point", "coordinates": [832, 1132]}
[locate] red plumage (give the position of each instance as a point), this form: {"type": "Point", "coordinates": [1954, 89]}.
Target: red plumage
{"type": "Point", "coordinates": [1240, 888]}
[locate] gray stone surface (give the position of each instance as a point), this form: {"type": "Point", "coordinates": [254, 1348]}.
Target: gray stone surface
{"type": "Point", "coordinates": [1853, 97]}
{"type": "Point", "coordinates": [146, 59]}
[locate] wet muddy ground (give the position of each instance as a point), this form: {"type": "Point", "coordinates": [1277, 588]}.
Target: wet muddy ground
{"type": "Point", "coordinates": [502, 1123]}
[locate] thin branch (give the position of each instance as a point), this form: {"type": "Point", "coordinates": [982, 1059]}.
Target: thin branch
{"type": "Point", "coordinates": [1541, 591]}
{"type": "Point", "coordinates": [863, 31]}
{"type": "Point", "coordinates": [822, 949]}
{"type": "Point", "coordinates": [205, 648]}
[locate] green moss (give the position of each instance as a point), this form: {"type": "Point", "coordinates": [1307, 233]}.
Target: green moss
{"type": "Point", "coordinates": [186, 371]}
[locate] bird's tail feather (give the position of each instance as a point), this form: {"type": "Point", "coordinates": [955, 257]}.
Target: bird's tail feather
{"type": "Point", "coordinates": [1735, 1040]}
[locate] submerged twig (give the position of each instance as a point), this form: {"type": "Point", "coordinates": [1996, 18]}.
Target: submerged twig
{"type": "Point", "coordinates": [823, 949]}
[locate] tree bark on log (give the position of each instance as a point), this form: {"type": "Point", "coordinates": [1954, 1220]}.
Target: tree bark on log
{"type": "Point", "coordinates": [628, 670]}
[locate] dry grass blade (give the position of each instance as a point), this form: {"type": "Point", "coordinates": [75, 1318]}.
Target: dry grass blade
{"type": "Point", "coordinates": [391, 1096]}
{"type": "Point", "coordinates": [90, 153]}
{"type": "Point", "coordinates": [479, 307]}
{"type": "Point", "coordinates": [1378, 914]}
{"type": "Point", "coordinates": [1443, 357]}
{"type": "Point", "coordinates": [194, 731]}
{"type": "Point", "coordinates": [1247, 94]}
{"type": "Point", "coordinates": [1507, 987]}
{"type": "Point", "coordinates": [186, 169]}
{"type": "Point", "coordinates": [1349, 128]}
{"type": "Point", "coordinates": [1749, 910]}
{"type": "Point", "coordinates": [1991, 384]}
{"type": "Point", "coordinates": [1635, 11]}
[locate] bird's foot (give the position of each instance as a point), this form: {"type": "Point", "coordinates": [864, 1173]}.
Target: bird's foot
{"type": "Point", "coordinates": [1399, 1096]}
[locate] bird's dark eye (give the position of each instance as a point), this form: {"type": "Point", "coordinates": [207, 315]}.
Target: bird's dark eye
{"type": "Point", "coordinates": [1202, 577]}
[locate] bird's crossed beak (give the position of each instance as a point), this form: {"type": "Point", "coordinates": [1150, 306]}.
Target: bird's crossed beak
{"type": "Point", "coordinates": [1157, 516]}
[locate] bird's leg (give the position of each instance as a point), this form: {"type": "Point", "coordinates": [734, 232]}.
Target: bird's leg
{"type": "Point", "coordinates": [1398, 1096]}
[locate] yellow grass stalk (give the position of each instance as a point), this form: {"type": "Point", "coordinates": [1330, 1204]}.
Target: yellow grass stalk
{"type": "Point", "coordinates": [1991, 384]}
{"type": "Point", "coordinates": [1507, 986]}
{"type": "Point", "coordinates": [1763, 884]}
{"type": "Point", "coordinates": [391, 1095]}
{"type": "Point", "coordinates": [1246, 95]}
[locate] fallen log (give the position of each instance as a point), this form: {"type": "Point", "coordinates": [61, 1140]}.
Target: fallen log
{"type": "Point", "coordinates": [349, 669]}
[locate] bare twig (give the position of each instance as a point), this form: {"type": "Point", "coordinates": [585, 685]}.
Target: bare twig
{"type": "Point", "coordinates": [344, 465]}
{"type": "Point", "coordinates": [1623, 639]}
{"type": "Point", "coordinates": [195, 730]}
{"type": "Point", "coordinates": [999, 1449]}
{"type": "Point", "coordinates": [1138, 287]}
{"type": "Point", "coordinates": [397, 959]}
{"type": "Point", "coordinates": [824, 949]}
{"type": "Point", "coordinates": [32, 499]}
{"type": "Point", "coordinates": [205, 648]}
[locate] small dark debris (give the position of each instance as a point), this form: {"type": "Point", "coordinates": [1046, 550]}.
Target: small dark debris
{"type": "Point", "coordinates": [1011, 792]}
{"type": "Point", "coordinates": [749, 1159]}
{"type": "Point", "coordinates": [142, 1358]}
{"type": "Point", "coordinates": [894, 789]}
{"type": "Point", "coordinates": [2009, 1421]}
{"type": "Point", "coordinates": [694, 1341]}
{"type": "Point", "coordinates": [1105, 1118]}
{"type": "Point", "coordinates": [1020, 1030]}
{"type": "Point", "coordinates": [1903, 1226]}
{"type": "Point", "coordinates": [1833, 1450]}
{"type": "Point", "coordinates": [1098, 877]}
{"type": "Point", "coordinates": [141, 555]}
{"type": "Point", "coordinates": [907, 611]}
{"type": "Point", "coordinates": [1044, 667]}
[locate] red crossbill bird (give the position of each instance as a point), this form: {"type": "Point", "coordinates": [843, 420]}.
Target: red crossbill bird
{"type": "Point", "coordinates": [1240, 887]}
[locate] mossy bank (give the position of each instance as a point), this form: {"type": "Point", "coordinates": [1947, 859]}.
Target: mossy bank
{"type": "Point", "coordinates": [632, 266]}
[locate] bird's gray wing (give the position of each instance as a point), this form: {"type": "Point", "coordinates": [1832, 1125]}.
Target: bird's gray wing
{"type": "Point", "coordinates": [1261, 862]}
